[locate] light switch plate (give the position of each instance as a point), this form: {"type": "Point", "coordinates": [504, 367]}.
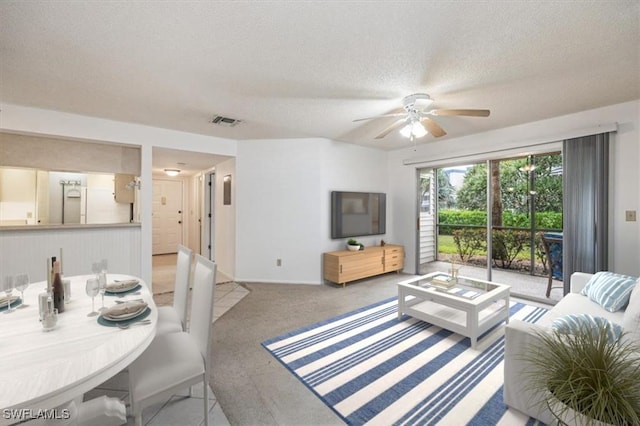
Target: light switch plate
{"type": "Point", "coordinates": [630, 215]}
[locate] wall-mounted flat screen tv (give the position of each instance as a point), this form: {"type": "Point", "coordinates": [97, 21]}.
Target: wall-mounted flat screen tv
{"type": "Point", "coordinates": [356, 214]}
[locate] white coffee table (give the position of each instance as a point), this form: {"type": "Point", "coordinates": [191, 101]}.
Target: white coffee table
{"type": "Point", "coordinates": [470, 307]}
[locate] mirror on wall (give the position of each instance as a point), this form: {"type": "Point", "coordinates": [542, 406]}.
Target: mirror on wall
{"type": "Point", "coordinates": [43, 197]}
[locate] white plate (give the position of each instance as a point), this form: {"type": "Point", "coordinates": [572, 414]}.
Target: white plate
{"type": "Point", "coordinates": [124, 317]}
{"type": "Point", "coordinates": [123, 289]}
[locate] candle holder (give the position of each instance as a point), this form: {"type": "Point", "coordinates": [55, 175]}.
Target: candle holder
{"type": "Point", "coordinates": [50, 320]}
{"type": "Point", "coordinates": [453, 271]}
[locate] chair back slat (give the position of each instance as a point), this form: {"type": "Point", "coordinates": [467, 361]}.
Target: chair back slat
{"type": "Point", "coordinates": [181, 286]}
{"type": "Point", "coordinates": [553, 248]}
{"type": "Point", "coordinates": [204, 283]}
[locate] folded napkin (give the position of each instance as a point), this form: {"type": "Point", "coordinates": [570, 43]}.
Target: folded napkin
{"type": "Point", "coordinates": [124, 310]}
{"type": "Point", "coordinates": [122, 285]}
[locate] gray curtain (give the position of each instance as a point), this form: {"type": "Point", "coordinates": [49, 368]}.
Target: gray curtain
{"type": "Point", "coordinates": [585, 205]}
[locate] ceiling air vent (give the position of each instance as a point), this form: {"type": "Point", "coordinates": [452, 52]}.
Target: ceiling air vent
{"type": "Point", "coordinates": [225, 121]}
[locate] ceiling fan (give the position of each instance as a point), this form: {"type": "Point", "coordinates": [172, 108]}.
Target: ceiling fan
{"type": "Point", "coordinates": [416, 121]}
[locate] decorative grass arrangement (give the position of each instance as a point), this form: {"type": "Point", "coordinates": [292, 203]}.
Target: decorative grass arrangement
{"type": "Point", "coordinates": [587, 373]}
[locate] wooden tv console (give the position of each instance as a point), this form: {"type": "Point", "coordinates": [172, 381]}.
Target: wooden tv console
{"type": "Point", "coordinates": [343, 266]}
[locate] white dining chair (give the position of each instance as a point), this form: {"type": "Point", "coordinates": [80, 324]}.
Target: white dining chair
{"type": "Point", "coordinates": [176, 361]}
{"type": "Point", "coordinates": [173, 319]}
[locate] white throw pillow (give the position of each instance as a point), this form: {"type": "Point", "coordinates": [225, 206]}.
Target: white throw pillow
{"type": "Point", "coordinates": [609, 290]}
{"type": "Point", "coordinates": [573, 323]}
{"type": "Point", "coordinates": [631, 318]}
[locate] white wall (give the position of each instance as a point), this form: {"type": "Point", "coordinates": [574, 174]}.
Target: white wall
{"type": "Point", "coordinates": [27, 250]}
{"type": "Point", "coordinates": [353, 168]}
{"type": "Point", "coordinates": [282, 188]}
{"type": "Point", "coordinates": [225, 220]}
{"type": "Point", "coordinates": [624, 195]}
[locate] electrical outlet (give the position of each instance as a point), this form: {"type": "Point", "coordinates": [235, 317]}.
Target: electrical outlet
{"type": "Point", "coordinates": [278, 262]}
{"type": "Point", "coordinates": [630, 215]}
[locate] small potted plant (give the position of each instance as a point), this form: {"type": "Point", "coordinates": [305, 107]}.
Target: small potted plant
{"type": "Point", "coordinates": [586, 377]}
{"type": "Point", "coordinates": [353, 245]}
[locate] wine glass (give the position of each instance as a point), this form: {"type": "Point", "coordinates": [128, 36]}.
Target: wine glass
{"type": "Point", "coordinates": [8, 285]}
{"type": "Point", "coordinates": [102, 286]}
{"type": "Point", "coordinates": [22, 282]}
{"type": "Point", "coordinates": [103, 280]}
{"type": "Point", "coordinates": [96, 267]}
{"type": "Point", "coordinates": [92, 288]}
{"type": "Point", "coordinates": [104, 264]}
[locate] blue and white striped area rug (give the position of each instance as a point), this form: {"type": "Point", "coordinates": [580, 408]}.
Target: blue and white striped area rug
{"type": "Point", "coordinates": [371, 368]}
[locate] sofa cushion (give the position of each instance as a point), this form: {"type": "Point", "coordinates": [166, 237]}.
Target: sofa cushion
{"type": "Point", "coordinates": [631, 318]}
{"type": "Point", "coordinates": [610, 290]}
{"type": "Point", "coordinates": [572, 323]}
{"type": "Point", "coordinates": [573, 303]}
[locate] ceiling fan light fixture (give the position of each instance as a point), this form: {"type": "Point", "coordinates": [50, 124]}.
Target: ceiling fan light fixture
{"type": "Point", "coordinates": [172, 172]}
{"type": "Point", "coordinates": [414, 128]}
{"type": "Point", "coordinates": [416, 120]}
{"type": "Point", "coordinates": [417, 101]}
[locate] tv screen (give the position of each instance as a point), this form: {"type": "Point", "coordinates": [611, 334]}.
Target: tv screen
{"type": "Point", "coordinates": [356, 214]}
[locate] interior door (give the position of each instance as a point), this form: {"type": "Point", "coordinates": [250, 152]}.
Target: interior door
{"type": "Point", "coordinates": [167, 215]}
{"type": "Point", "coordinates": [208, 220]}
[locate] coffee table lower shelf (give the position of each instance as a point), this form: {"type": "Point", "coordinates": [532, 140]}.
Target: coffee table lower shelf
{"type": "Point", "coordinates": [455, 320]}
{"type": "Point", "coordinates": [468, 317]}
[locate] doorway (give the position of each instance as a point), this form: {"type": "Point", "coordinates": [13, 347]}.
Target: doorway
{"type": "Point", "coordinates": [167, 215]}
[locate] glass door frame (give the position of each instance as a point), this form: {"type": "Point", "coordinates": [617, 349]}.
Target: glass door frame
{"type": "Point", "coordinates": [548, 150]}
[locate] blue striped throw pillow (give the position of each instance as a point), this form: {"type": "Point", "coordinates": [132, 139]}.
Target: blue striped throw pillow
{"type": "Point", "coordinates": [609, 290]}
{"type": "Point", "coordinates": [570, 324]}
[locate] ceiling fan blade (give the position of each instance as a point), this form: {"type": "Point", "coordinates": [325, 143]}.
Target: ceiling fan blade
{"type": "Point", "coordinates": [433, 127]}
{"type": "Point", "coordinates": [467, 112]}
{"type": "Point", "coordinates": [380, 116]}
{"type": "Point", "coordinates": [391, 128]}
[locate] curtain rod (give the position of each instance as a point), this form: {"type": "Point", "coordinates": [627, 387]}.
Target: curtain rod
{"type": "Point", "coordinates": [535, 143]}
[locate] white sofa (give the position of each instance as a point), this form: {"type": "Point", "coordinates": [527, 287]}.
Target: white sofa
{"type": "Point", "coordinates": [519, 335]}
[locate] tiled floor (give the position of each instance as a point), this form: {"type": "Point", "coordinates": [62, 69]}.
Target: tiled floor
{"type": "Point", "coordinates": [525, 286]}
{"type": "Point", "coordinates": [227, 295]}
{"type": "Point", "coordinates": [180, 409]}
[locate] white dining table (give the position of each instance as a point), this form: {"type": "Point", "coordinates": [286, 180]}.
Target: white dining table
{"type": "Point", "coordinates": [41, 370]}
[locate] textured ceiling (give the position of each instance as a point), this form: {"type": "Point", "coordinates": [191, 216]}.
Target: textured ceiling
{"type": "Point", "coordinates": [308, 69]}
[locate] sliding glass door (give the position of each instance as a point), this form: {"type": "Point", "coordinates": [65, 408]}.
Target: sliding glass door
{"type": "Point", "coordinates": [527, 203]}
{"type": "Point", "coordinates": [490, 217]}
{"type": "Point", "coordinates": [462, 217]}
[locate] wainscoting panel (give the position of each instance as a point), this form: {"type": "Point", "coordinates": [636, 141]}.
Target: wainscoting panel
{"type": "Point", "coordinates": [26, 250]}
